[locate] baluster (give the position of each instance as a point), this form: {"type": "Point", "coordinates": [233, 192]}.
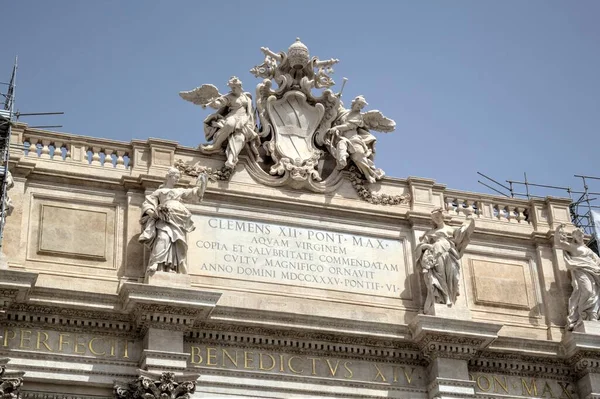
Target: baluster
{"type": "Point", "coordinates": [67, 151]}
{"type": "Point", "coordinates": [469, 209]}
{"type": "Point", "coordinates": [120, 163]}
{"type": "Point", "coordinates": [32, 148]}
{"type": "Point", "coordinates": [520, 214]}
{"type": "Point", "coordinates": [511, 215]}
{"type": "Point", "coordinates": [96, 156]}
{"type": "Point", "coordinates": [57, 155]}
{"type": "Point", "coordinates": [449, 205]}
{"type": "Point", "coordinates": [505, 214]}
{"type": "Point", "coordinates": [129, 160]}
{"type": "Point", "coordinates": [45, 153]}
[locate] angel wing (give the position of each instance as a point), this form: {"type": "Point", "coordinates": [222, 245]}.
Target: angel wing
{"type": "Point", "coordinates": [201, 95]}
{"type": "Point", "coordinates": [374, 120]}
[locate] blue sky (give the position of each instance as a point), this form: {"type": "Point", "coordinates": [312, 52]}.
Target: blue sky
{"type": "Point", "coordinates": [501, 87]}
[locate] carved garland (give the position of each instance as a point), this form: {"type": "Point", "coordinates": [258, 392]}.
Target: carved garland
{"type": "Point", "coordinates": [223, 174]}
{"type": "Point", "coordinates": [359, 183]}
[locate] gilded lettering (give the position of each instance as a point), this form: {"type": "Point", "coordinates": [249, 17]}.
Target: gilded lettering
{"type": "Point", "coordinates": [314, 364]}
{"type": "Point", "coordinates": [407, 375]}
{"type": "Point", "coordinates": [211, 354]}
{"type": "Point", "coordinates": [248, 359]}
{"type": "Point", "coordinates": [497, 383]}
{"type": "Point", "coordinates": [225, 354]}
{"type": "Point", "coordinates": [530, 390]}
{"type": "Point", "coordinates": [488, 382]}
{"type": "Point", "coordinates": [24, 339]}
{"type": "Point", "coordinates": [261, 364]}
{"type": "Point", "coordinates": [7, 336]}
{"type": "Point", "coordinates": [292, 369]}
{"type": "Point", "coordinates": [126, 350]}
{"type": "Point", "coordinates": [93, 350]}
{"type": "Point", "coordinates": [547, 389]}
{"type": "Point", "coordinates": [281, 369]}
{"type": "Point", "coordinates": [564, 386]}
{"type": "Point", "coordinates": [62, 341]}
{"type": "Point", "coordinates": [41, 342]}
{"type": "Point", "coordinates": [78, 345]}
{"type": "Point", "coordinates": [196, 357]}
{"type": "Point", "coordinates": [379, 374]}
{"type": "Point", "coordinates": [349, 372]}
{"type": "Point", "coordinates": [332, 369]}
{"type": "Point", "coordinates": [113, 343]}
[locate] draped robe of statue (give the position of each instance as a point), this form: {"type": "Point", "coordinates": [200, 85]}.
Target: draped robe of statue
{"type": "Point", "coordinates": [233, 122]}
{"type": "Point", "coordinates": [439, 254]}
{"type": "Point", "coordinates": [584, 303]}
{"type": "Point", "coordinates": [166, 235]}
{"type": "Point", "coordinates": [356, 142]}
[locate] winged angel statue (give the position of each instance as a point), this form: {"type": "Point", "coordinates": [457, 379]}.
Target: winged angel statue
{"type": "Point", "coordinates": [300, 137]}
{"type": "Point", "coordinates": [232, 126]}
{"type": "Point", "coordinates": [350, 137]}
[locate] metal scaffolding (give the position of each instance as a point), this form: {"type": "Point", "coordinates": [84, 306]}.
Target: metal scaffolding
{"type": "Point", "coordinates": [6, 120]}
{"type": "Point", "coordinates": [584, 200]}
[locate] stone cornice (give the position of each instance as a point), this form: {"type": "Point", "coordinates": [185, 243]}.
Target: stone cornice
{"type": "Point", "coordinates": [168, 308]}
{"type": "Point", "coordinates": [454, 338]}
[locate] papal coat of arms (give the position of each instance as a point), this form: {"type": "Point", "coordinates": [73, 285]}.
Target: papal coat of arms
{"type": "Point", "coordinates": [292, 136]}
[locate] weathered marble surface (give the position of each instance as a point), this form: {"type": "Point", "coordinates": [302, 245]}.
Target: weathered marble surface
{"type": "Point", "coordinates": [513, 279]}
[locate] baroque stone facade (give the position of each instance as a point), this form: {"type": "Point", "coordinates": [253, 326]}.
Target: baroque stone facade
{"type": "Point", "coordinates": [296, 280]}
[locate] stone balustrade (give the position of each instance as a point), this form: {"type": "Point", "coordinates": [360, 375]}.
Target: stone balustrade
{"type": "Point", "coordinates": [152, 156]}
{"type": "Point", "coordinates": [509, 210]}
{"type": "Point", "coordinates": [60, 147]}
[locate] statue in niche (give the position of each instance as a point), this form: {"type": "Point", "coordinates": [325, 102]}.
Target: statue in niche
{"type": "Point", "coordinates": [438, 254]}
{"type": "Point", "coordinates": [350, 137]}
{"type": "Point", "coordinates": [232, 126]}
{"type": "Point", "coordinates": [584, 265]}
{"type": "Point", "coordinates": [165, 222]}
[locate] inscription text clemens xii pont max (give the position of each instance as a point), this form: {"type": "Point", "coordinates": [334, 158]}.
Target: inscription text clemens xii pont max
{"type": "Point", "coordinates": [282, 254]}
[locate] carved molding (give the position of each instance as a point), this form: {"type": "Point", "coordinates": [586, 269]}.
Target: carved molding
{"type": "Point", "coordinates": [166, 308]}
{"type": "Point", "coordinates": [521, 365]}
{"type": "Point", "coordinates": [452, 338]}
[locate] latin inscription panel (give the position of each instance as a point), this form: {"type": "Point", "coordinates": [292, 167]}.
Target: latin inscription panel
{"type": "Point", "coordinates": [285, 254]}
{"type": "Point", "coordinates": [261, 361]}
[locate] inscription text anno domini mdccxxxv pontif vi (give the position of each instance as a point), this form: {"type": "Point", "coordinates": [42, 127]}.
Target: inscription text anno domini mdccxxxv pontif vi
{"type": "Point", "coordinates": [283, 254]}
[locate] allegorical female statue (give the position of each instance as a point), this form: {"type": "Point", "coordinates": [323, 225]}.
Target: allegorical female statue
{"type": "Point", "coordinates": [166, 221]}
{"type": "Point", "coordinates": [584, 265]}
{"type": "Point", "coordinates": [232, 126]}
{"type": "Point", "coordinates": [439, 254]}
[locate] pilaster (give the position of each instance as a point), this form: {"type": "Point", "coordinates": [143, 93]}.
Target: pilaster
{"type": "Point", "coordinates": [162, 314]}
{"type": "Point", "coordinates": [582, 347]}
{"type": "Point", "coordinates": [449, 344]}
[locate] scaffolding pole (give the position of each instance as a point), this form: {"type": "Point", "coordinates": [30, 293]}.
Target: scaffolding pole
{"type": "Point", "coordinates": [6, 119]}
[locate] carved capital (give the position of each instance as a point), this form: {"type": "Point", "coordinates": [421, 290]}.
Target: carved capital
{"type": "Point", "coordinates": [159, 386]}
{"type": "Point", "coordinates": [10, 382]}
